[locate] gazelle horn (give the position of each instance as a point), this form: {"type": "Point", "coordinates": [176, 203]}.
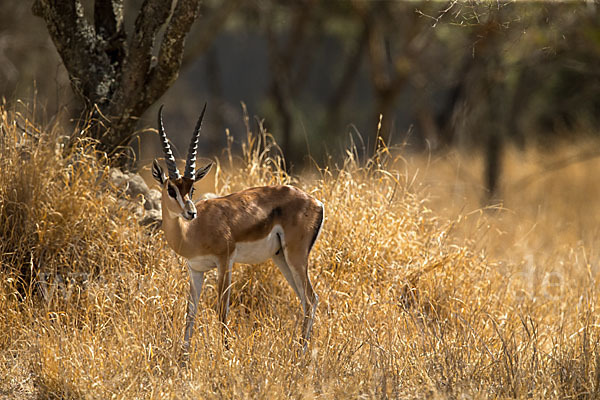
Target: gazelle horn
{"type": "Point", "coordinates": [169, 159]}
{"type": "Point", "coordinates": [190, 164]}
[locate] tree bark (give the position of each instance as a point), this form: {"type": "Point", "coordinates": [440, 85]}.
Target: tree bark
{"type": "Point", "coordinates": [118, 79]}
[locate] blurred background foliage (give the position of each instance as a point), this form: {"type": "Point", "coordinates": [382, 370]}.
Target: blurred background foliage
{"type": "Point", "coordinates": [467, 75]}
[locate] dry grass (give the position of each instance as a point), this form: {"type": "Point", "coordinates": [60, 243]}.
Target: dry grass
{"type": "Point", "coordinates": [452, 303]}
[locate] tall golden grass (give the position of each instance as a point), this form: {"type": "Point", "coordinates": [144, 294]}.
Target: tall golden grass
{"type": "Point", "coordinates": [422, 294]}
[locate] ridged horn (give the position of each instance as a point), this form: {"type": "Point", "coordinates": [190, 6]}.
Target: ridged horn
{"type": "Point", "coordinates": [190, 164]}
{"type": "Point", "coordinates": [169, 159]}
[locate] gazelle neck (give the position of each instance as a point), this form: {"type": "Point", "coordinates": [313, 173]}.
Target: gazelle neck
{"type": "Point", "coordinates": [175, 228]}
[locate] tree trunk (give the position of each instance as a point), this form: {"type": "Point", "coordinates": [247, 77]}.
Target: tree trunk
{"type": "Point", "coordinates": [493, 165]}
{"type": "Point", "coordinates": [117, 78]}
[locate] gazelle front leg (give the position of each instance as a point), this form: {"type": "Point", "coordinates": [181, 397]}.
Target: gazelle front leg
{"type": "Point", "coordinates": [196, 281]}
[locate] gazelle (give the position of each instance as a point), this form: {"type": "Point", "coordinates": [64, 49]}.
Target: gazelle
{"type": "Point", "coordinates": [250, 226]}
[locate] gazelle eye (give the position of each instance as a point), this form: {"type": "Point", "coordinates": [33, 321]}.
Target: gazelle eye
{"type": "Point", "coordinates": [171, 192]}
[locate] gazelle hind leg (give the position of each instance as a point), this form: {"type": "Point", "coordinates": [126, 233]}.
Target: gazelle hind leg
{"type": "Point", "coordinates": [224, 291]}
{"type": "Point", "coordinates": [309, 309]}
{"type": "Point", "coordinates": [279, 260]}
{"type": "Point", "coordinates": [298, 265]}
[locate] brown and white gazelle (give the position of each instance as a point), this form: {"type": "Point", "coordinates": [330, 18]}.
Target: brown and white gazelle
{"type": "Point", "coordinates": [250, 226]}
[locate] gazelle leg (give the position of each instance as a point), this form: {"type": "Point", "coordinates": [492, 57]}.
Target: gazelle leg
{"type": "Point", "coordinates": [279, 260]}
{"type": "Point", "coordinates": [224, 291]}
{"type": "Point", "coordinates": [312, 300]}
{"type": "Point", "coordinates": [196, 281]}
{"type": "Point", "coordinates": [298, 266]}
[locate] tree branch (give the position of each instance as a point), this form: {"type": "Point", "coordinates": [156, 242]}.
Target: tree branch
{"type": "Point", "coordinates": [152, 16]}
{"type": "Point", "coordinates": [170, 56]}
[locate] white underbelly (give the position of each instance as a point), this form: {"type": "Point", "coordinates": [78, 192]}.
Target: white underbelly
{"type": "Point", "coordinates": [245, 252]}
{"type": "Point", "coordinates": [259, 250]}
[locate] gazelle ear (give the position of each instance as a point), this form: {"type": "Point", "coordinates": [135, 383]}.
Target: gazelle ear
{"type": "Point", "coordinates": [201, 172]}
{"type": "Point", "coordinates": [157, 173]}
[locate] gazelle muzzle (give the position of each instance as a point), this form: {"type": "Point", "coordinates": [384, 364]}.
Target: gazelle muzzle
{"type": "Point", "coordinates": [189, 210]}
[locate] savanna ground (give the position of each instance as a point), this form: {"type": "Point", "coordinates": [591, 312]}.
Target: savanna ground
{"type": "Point", "coordinates": [422, 293]}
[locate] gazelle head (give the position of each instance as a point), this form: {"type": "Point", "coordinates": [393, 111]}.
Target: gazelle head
{"type": "Point", "coordinates": [176, 189]}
